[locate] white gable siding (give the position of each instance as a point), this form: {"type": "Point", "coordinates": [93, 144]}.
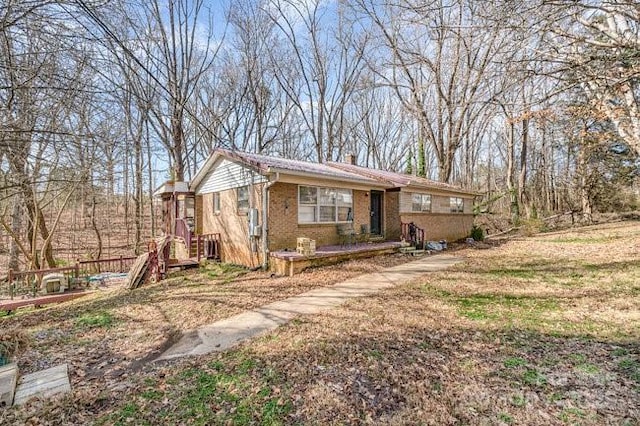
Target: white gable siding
{"type": "Point", "coordinates": [227, 175]}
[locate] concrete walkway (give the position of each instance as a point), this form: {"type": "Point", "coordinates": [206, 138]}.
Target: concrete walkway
{"type": "Point", "coordinates": [232, 331]}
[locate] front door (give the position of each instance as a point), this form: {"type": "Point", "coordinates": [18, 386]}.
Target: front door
{"type": "Point", "coordinates": [376, 212]}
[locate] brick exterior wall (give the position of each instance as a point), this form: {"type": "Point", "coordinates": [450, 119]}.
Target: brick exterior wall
{"type": "Point", "coordinates": [283, 219]}
{"type": "Point", "coordinates": [284, 229]}
{"type": "Point", "coordinates": [392, 226]}
{"type": "Point", "coordinates": [199, 214]}
{"type": "Point", "coordinates": [450, 227]}
{"type": "Point", "coordinates": [236, 246]}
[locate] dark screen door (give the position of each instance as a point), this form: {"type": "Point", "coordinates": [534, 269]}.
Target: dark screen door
{"type": "Point", "coordinates": [376, 212]}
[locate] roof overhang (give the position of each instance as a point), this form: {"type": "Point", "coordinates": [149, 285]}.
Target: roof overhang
{"type": "Point", "coordinates": [432, 189]}
{"type": "Point", "coordinates": [171, 187]}
{"type": "Point", "coordinates": [317, 179]}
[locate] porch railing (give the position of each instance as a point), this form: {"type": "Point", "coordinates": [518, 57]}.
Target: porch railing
{"type": "Point", "coordinates": [207, 246]}
{"type": "Point", "coordinates": [413, 234]}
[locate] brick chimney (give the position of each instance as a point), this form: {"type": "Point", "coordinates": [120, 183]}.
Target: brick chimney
{"type": "Point", "coordinates": [350, 159]}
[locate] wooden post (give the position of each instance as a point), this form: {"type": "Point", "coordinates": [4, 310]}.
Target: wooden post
{"type": "Point", "coordinates": [121, 265]}
{"type": "Point", "coordinates": [198, 248]}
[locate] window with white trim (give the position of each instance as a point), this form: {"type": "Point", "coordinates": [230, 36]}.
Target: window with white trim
{"type": "Point", "coordinates": [420, 202]}
{"type": "Point", "coordinates": [216, 202]}
{"type": "Point", "coordinates": [457, 204]}
{"type": "Point", "coordinates": [324, 205]}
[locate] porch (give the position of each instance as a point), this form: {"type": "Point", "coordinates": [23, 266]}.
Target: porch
{"type": "Point", "coordinates": [291, 263]}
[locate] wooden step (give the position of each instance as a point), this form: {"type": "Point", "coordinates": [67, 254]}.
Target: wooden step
{"type": "Point", "coordinates": [183, 263]}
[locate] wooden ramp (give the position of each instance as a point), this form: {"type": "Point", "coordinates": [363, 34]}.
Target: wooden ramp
{"type": "Point", "coordinates": [140, 272]}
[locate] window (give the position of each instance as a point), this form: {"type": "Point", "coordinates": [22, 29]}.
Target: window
{"type": "Point", "coordinates": [216, 202]}
{"type": "Point", "coordinates": [243, 198]}
{"type": "Point", "coordinates": [421, 203]}
{"type": "Point", "coordinates": [324, 205]}
{"type": "Point", "coordinates": [457, 205]}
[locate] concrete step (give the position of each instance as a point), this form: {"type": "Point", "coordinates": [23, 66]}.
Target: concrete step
{"type": "Point", "coordinates": [43, 384]}
{"type": "Point", "coordinates": [409, 249]}
{"type": "Point", "coordinates": [8, 383]}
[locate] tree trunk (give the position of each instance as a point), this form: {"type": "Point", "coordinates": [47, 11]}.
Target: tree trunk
{"type": "Point", "coordinates": [511, 160]}
{"type": "Point", "coordinates": [16, 229]}
{"type": "Point", "coordinates": [522, 177]}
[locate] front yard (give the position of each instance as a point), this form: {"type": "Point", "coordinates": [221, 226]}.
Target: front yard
{"type": "Point", "coordinates": [540, 330]}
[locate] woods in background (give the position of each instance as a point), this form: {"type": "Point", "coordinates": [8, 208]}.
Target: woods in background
{"type": "Point", "coordinates": [535, 104]}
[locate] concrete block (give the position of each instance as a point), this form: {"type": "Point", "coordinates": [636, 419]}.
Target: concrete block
{"type": "Point", "coordinates": [43, 384]}
{"type": "Point", "coordinates": [8, 381]}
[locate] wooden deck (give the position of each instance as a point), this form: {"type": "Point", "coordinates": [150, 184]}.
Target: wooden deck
{"type": "Point", "coordinates": [12, 305]}
{"type": "Point", "coordinates": [291, 263]}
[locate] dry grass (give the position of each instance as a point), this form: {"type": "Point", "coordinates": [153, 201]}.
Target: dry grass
{"type": "Point", "coordinates": [541, 330]}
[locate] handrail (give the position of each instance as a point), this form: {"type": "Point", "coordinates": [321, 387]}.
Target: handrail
{"type": "Point", "coordinates": [208, 246]}
{"type": "Point", "coordinates": [413, 233]}
{"type": "Point", "coordinates": [183, 231]}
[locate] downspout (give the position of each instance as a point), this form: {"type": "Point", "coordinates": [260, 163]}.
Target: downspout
{"type": "Point", "coordinates": [265, 221]}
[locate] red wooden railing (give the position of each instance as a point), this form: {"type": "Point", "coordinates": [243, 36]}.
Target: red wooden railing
{"type": "Point", "coordinates": [413, 234]}
{"type": "Point", "coordinates": [183, 231]}
{"type": "Point", "coordinates": [120, 264]}
{"type": "Point", "coordinates": [30, 281]}
{"type": "Point", "coordinates": [207, 246]}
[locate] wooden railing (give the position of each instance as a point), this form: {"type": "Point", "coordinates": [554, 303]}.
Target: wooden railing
{"type": "Point", "coordinates": [29, 282]}
{"type": "Point", "coordinates": [413, 233]}
{"type": "Point", "coordinates": [183, 231]}
{"type": "Point", "coordinates": [116, 264]}
{"type": "Point", "coordinates": [207, 246]}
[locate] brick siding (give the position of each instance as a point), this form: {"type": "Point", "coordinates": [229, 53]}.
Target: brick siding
{"type": "Point", "coordinates": [236, 246]}
{"type": "Point", "coordinates": [450, 227]}
{"type": "Point", "coordinates": [283, 219]}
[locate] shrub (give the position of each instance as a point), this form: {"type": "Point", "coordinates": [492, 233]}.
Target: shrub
{"type": "Point", "coordinates": [477, 233]}
{"type": "Point", "coordinates": [533, 226]}
{"type": "Point", "coordinates": [12, 342]}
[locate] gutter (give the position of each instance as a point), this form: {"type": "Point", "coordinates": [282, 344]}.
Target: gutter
{"type": "Point", "coordinates": [265, 221]}
{"type": "Point", "coordinates": [356, 178]}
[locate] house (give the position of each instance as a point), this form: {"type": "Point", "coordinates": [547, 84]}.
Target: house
{"type": "Point", "coordinates": [257, 204]}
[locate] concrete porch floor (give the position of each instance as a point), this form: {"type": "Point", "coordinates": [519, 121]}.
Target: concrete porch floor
{"type": "Point", "coordinates": [291, 262]}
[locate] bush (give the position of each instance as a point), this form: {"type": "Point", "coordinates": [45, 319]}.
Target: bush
{"type": "Point", "coordinates": [12, 342]}
{"type": "Point", "coordinates": [477, 233]}
{"type": "Point", "coordinates": [533, 226]}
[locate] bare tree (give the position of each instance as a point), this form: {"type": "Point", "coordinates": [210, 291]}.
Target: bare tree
{"type": "Point", "coordinates": [319, 68]}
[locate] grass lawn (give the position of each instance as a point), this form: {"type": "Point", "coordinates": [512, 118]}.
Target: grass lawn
{"type": "Point", "coordinates": [539, 330]}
